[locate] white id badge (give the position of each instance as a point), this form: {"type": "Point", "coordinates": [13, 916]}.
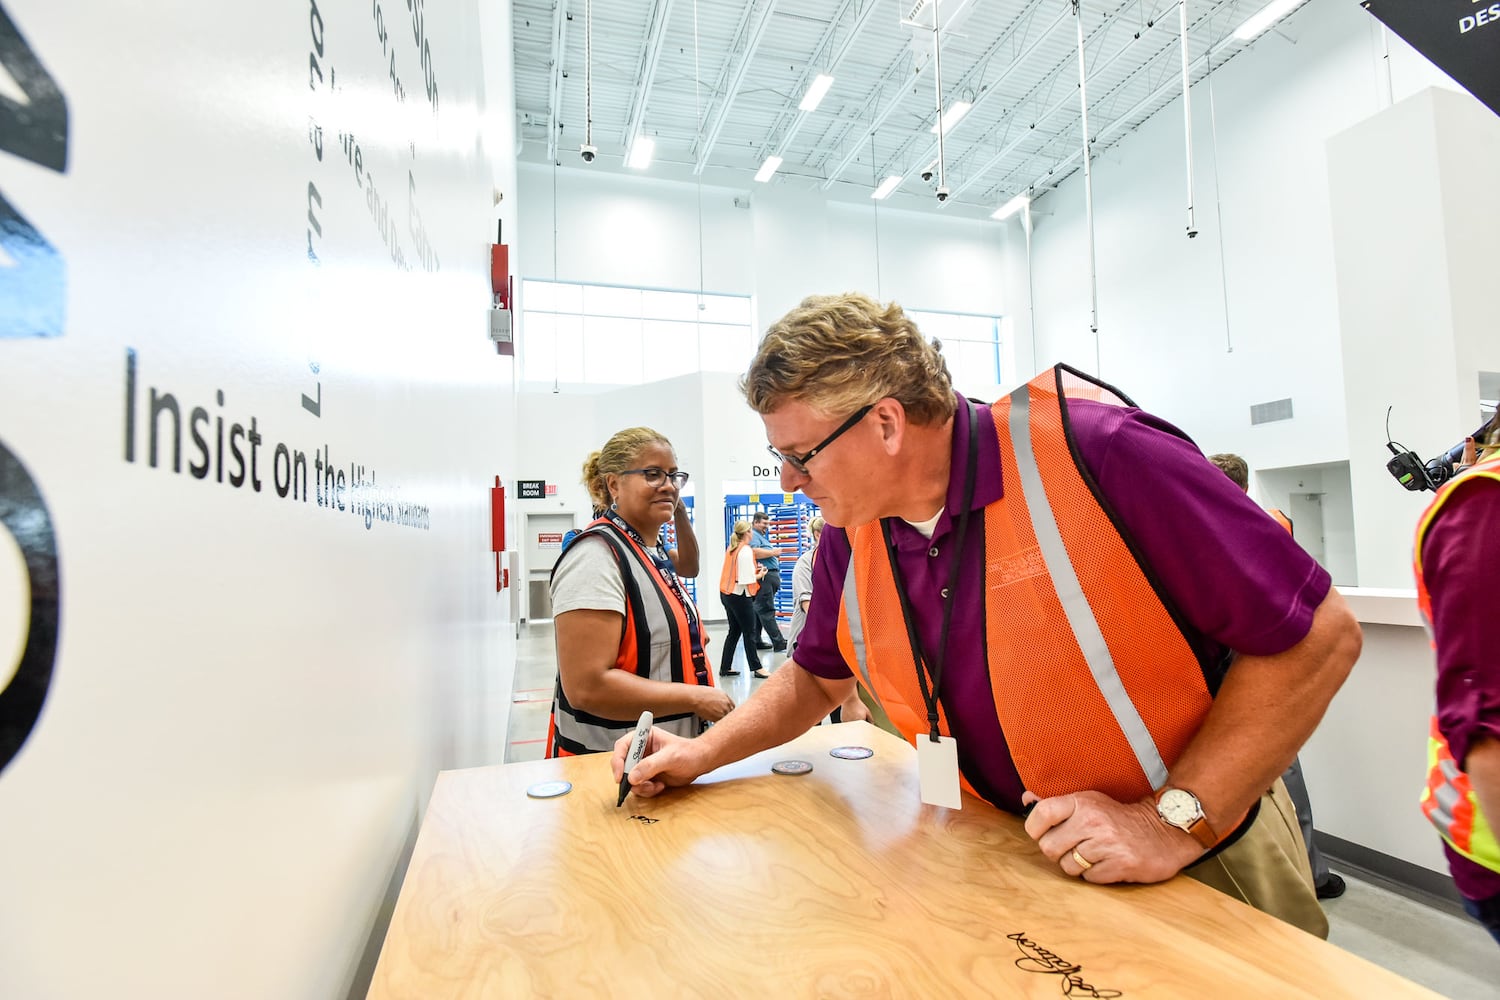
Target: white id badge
{"type": "Point", "coordinates": [937, 770]}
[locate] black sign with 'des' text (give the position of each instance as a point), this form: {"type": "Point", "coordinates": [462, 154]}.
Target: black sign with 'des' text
{"type": "Point", "coordinates": [531, 489]}
{"type": "Point", "coordinates": [1460, 37]}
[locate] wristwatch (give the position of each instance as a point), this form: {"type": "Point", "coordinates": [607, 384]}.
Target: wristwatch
{"type": "Point", "coordinates": [1180, 808]}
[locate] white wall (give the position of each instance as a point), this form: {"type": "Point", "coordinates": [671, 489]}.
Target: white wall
{"type": "Point", "coordinates": [1415, 299]}
{"type": "Point", "coordinates": [251, 694]}
{"type": "Point", "coordinates": [1170, 310]}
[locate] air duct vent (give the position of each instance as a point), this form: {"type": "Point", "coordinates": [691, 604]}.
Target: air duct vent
{"type": "Point", "coordinates": [1276, 409]}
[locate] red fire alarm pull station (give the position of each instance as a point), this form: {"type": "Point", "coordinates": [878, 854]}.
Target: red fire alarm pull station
{"type": "Point", "coordinates": [497, 531]}
{"type": "Point", "coordinates": [502, 287]}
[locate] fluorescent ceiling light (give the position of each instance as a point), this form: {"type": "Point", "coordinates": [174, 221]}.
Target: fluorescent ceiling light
{"type": "Point", "coordinates": [1011, 207]}
{"type": "Point", "coordinates": [955, 111]}
{"type": "Point", "coordinates": [641, 152]}
{"type": "Point", "coordinates": [814, 95]}
{"type": "Point", "coordinates": [888, 185]}
{"type": "Point", "coordinates": [1265, 17]}
{"type": "Point", "coordinates": [772, 164]}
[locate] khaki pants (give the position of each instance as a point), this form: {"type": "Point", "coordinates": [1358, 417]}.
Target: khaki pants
{"type": "Point", "coordinates": [1267, 867]}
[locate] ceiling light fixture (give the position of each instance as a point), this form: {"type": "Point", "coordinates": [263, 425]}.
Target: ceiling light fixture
{"type": "Point", "coordinates": [1265, 17]}
{"type": "Point", "coordinates": [816, 92]}
{"type": "Point", "coordinates": [1011, 207]}
{"type": "Point", "coordinates": [772, 164]}
{"type": "Point", "coordinates": [955, 111]}
{"type": "Point", "coordinates": [641, 152]}
{"type": "Point", "coordinates": [888, 185]}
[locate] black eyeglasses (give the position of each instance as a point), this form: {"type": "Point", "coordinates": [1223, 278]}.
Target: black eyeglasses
{"type": "Point", "coordinates": [799, 462]}
{"type": "Point", "coordinates": [655, 476]}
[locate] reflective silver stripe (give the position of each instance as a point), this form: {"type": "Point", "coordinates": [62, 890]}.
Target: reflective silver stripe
{"type": "Point", "coordinates": [604, 737]}
{"type": "Point", "coordinates": [856, 625]}
{"type": "Point", "coordinates": [1070, 593]}
{"type": "Point", "coordinates": [658, 625]}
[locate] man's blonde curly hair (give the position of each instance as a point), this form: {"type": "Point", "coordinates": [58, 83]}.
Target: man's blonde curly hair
{"type": "Point", "coordinates": [837, 353]}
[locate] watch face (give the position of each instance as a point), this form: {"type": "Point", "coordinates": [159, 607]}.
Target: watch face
{"type": "Point", "coordinates": [1179, 807]}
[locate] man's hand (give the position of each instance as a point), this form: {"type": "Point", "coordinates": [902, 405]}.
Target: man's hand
{"type": "Point", "coordinates": [670, 761]}
{"type": "Point", "coordinates": [1121, 842]}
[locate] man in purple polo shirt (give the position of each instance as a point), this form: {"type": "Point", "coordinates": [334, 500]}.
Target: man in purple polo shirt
{"type": "Point", "coordinates": [861, 410]}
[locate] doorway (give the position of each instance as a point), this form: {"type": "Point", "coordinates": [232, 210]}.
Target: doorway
{"type": "Point", "coordinates": [543, 544]}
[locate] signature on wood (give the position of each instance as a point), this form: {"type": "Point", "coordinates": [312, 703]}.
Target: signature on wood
{"type": "Point", "coordinates": [646, 819]}
{"type": "Point", "coordinates": [1035, 958]}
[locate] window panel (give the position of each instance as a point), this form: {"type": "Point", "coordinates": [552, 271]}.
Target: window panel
{"type": "Point", "coordinates": [602, 300]}
{"type": "Point", "coordinates": [669, 305]}
{"type": "Point", "coordinates": [611, 350]}
{"type": "Point", "coordinates": [670, 349]}
{"type": "Point", "coordinates": [725, 309]}
{"type": "Point", "coordinates": [538, 346]}
{"type": "Point", "coordinates": [569, 349]}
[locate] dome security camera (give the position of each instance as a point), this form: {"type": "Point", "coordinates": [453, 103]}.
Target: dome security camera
{"type": "Point", "coordinates": [588, 153]}
{"type": "Point", "coordinates": [942, 194]}
{"type": "Point", "coordinates": [927, 174]}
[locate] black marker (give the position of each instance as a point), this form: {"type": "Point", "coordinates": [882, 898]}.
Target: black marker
{"type": "Point", "coordinates": [637, 750]}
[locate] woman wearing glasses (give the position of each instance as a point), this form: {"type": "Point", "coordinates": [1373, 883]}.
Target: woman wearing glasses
{"type": "Point", "coordinates": [628, 636]}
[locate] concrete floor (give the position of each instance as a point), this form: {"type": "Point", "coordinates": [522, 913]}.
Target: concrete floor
{"type": "Point", "coordinates": [1445, 952]}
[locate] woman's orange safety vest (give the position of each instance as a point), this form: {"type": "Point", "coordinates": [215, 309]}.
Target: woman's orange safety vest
{"type": "Point", "coordinates": [1096, 686]}
{"type": "Point", "coordinates": [729, 577]}
{"type": "Point", "coordinates": [1448, 799]}
{"type": "Point", "coordinates": [652, 611]}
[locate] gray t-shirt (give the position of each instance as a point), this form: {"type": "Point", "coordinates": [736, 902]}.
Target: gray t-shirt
{"type": "Point", "coordinates": [588, 578]}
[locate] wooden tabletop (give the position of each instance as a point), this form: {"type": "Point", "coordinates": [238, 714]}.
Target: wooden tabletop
{"type": "Point", "coordinates": [838, 883]}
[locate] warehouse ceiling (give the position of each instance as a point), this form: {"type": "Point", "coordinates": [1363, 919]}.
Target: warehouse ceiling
{"type": "Point", "coordinates": [716, 85]}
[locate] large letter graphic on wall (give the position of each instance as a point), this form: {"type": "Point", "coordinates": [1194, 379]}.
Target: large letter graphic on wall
{"type": "Point", "coordinates": [25, 516]}
{"type": "Point", "coordinates": [33, 289]}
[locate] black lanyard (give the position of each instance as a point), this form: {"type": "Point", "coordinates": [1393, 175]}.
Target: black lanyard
{"type": "Point", "coordinates": [669, 572]}
{"type": "Point", "coordinates": [933, 665]}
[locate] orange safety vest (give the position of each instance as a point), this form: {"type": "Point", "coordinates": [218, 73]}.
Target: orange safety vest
{"type": "Point", "coordinates": [1448, 799]}
{"type": "Point", "coordinates": [1096, 686]}
{"type": "Point", "coordinates": [729, 577]}
{"type": "Point", "coordinates": [1281, 519]}
{"type": "Point", "coordinates": [651, 610]}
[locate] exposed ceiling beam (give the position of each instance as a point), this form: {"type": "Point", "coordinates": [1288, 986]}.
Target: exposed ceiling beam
{"type": "Point", "coordinates": [899, 71]}
{"type": "Point", "coordinates": [660, 12]}
{"type": "Point", "coordinates": [830, 67]}
{"type": "Point", "coordinates": [993, 87]}
{"type": "Point", "coordinates": [756, 31]}
{"type": "Point", "coordinates": [1167, 84]}
{"type": "Point", "coordinates": [1066, 99]}
{"type": "Point", "coordinates": [559, 52]}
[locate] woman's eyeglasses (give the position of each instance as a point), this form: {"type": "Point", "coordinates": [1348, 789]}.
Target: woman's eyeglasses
{"type": "Point", "coordinates": [655, 476]}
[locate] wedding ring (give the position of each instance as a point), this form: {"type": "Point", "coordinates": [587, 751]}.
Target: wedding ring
{"type": "Point", "coordinates": [1085, 865]}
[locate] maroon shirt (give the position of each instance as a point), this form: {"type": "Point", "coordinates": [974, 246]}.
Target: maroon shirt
{"type": "Point", "coordinates": [1234, 575]}
{"type": "Point", "coordinates": [1461, 569]}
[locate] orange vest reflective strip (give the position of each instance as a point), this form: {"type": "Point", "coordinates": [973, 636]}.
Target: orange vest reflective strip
{"type": "Point", "coordinates": [651, 609]}
{"type": "Point", "coordinates": [1449, 803]}
{"type": "Point", "coordinates": [1074, 630]}
{"type": "Point", "coordinates": [730, 574]}
{"type": "Point", "coordinates": [1448, 800]}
